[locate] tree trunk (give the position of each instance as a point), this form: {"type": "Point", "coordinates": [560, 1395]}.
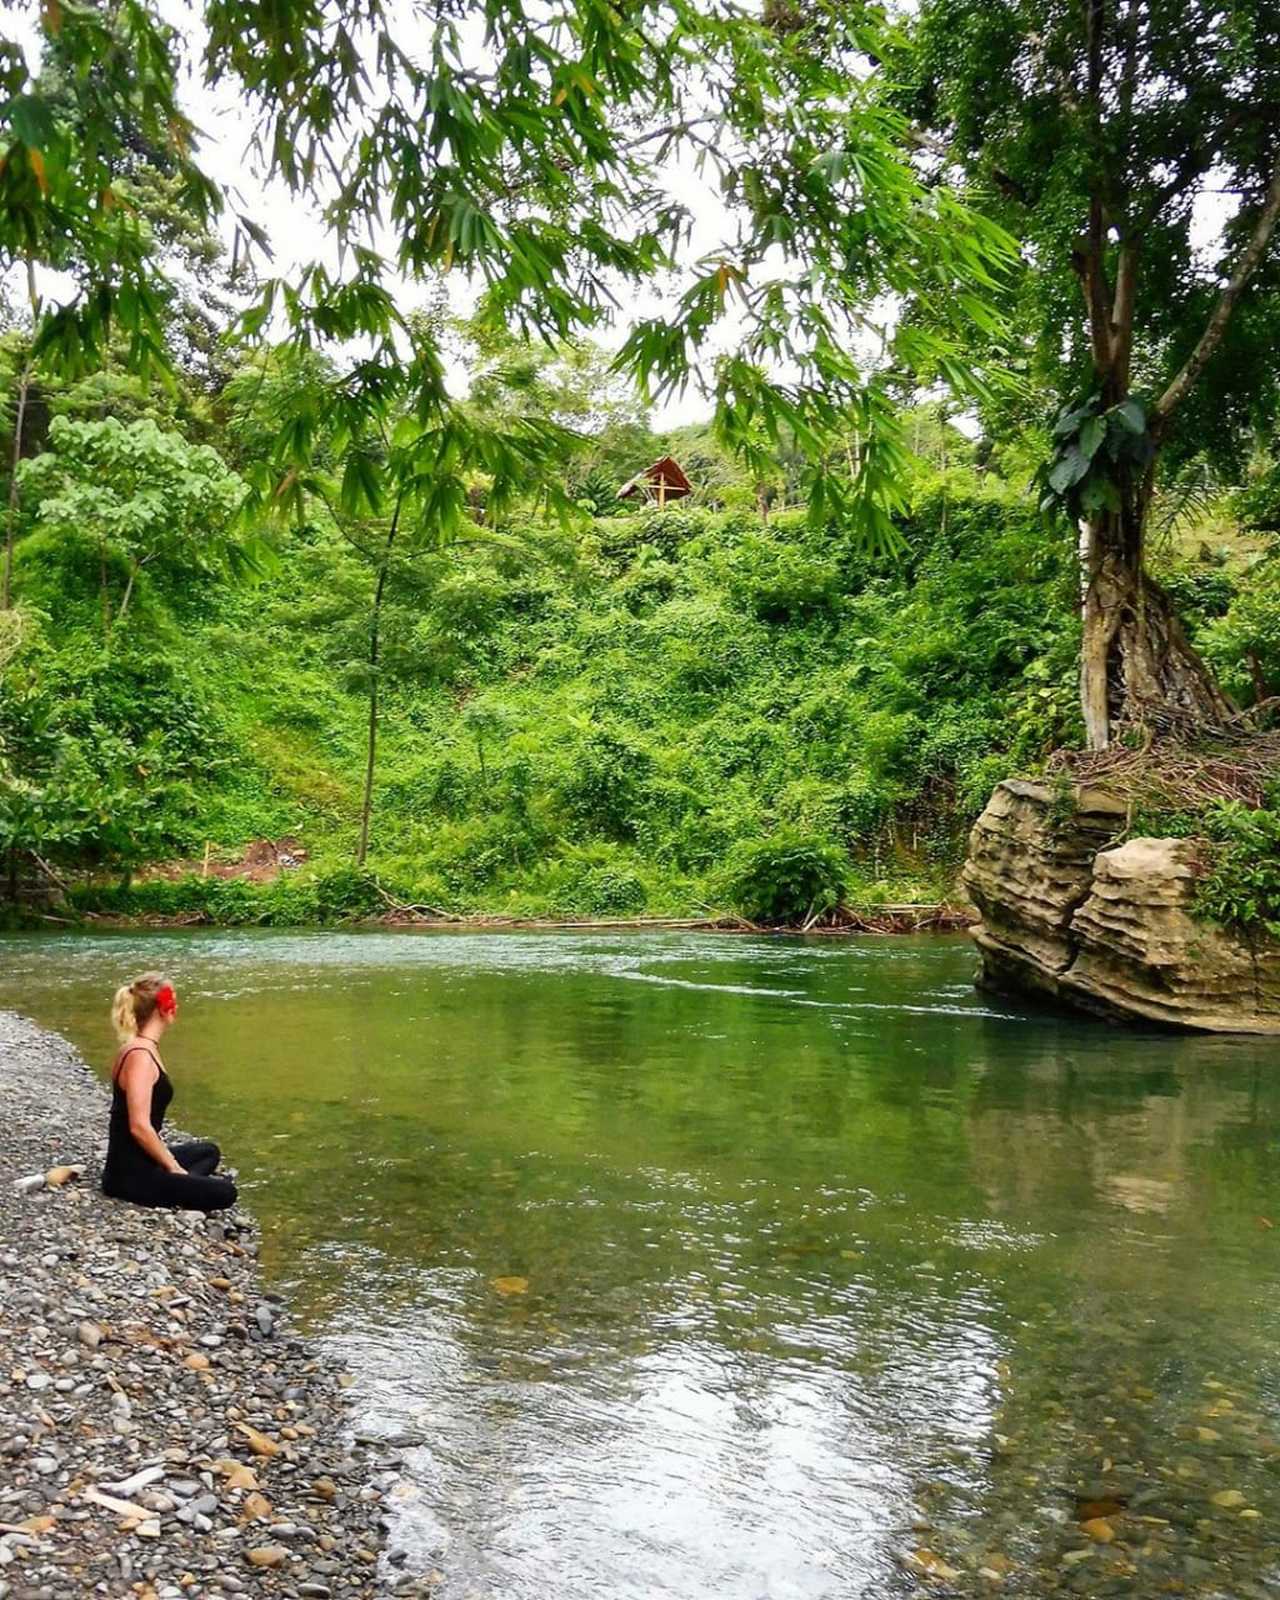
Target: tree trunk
{"type": "Point", "coordinates": [375, 621]}
{"type": "Point", "coordinates": [1137, 666]}
{"type": "Point", "coordinates": [24, 388]}
{"type": "Point", "coordinates": [128, 589]}
{"type": "Point", "coordinates": [104, 592]}
{"type": "Point", "coordinates": [371, 754]}
{"type": "Point", "coordinates": [1138, 669]}
{"type": "Point", "coordinates": [1260, 690]}
{"type": "Point", "coordinates": [1097, 606]}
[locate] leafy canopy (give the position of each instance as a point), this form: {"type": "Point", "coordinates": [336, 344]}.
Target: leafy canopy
{"type": "Point", "coordinates": [141, 496]}
{"type": "Point", "coordinates": [72, 135]}
{"type": "Point", "coordinates": [532, 150]}
{"type": "Point", "coordinates": [1109, 136]}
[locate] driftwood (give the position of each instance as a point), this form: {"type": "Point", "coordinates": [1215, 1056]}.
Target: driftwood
{"type": "Point", "coordinates": [402, 908]}
{"type": "Point", "coordinates": [943, 917]}
{"type": "Point", "coordinates": [152, 919]}
{"type": "Point", "coordinates": [935, 918]}
{"type": "Point", "coordinates": [906, 918]}
{"type": "Point", "coordinates": [421, 917]}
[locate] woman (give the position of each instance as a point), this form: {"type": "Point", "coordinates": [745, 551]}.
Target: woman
{"type": "Point", "coordinates": [140, 1166]}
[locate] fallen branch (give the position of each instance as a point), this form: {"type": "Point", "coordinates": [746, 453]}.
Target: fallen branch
{"type": "Point", "coordinates": [404, 908]}
{"type": "Point", "coordinates": [743, 924]}
{"type": "Point", "coordinates": [48, 871]}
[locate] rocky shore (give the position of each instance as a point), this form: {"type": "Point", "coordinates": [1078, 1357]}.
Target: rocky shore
{"type": "Point", "coordinates": [163, 1433]}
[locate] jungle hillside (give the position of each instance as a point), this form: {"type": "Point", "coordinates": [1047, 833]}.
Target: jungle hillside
{"type": "Point", "coordinates": [378, 584]}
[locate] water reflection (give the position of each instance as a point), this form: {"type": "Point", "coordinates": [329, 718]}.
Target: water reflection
{"type": "Point", "coordinates": [832, 1265]}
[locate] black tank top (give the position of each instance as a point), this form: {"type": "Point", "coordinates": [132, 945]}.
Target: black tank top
{"type": "Point", "coordinates": [126, 1159]}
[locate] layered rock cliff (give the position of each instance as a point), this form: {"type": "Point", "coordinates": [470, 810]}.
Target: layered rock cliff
{"type": "Point", "coordinates": [1105, 927]}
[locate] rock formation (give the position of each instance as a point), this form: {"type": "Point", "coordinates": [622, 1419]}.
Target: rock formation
{"type": "Point", "coordinates": [1105, 927]}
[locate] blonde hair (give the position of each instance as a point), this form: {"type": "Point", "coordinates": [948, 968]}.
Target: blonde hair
{"type": "Point", "coordinates": [136, 1002]}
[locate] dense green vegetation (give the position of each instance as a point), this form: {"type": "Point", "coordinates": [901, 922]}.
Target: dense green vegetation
{"type": "Point", "coordinates": [299, 554]}
{"type": "Point", "coordinates": [641, 713]}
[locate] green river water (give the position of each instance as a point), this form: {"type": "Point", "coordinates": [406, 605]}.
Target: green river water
{"type": "Point", "coordinates": [830, 1264]}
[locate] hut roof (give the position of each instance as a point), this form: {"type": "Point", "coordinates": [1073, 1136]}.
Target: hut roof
{"type": "Point", "coordinates": [666, 472]}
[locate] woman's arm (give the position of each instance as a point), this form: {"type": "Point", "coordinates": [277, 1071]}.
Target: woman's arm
{"type": "Point", "coordinates": [139, 1079]}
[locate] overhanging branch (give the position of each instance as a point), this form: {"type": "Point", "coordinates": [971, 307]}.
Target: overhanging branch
{"type": "Point", "coordinates": [1216, 327]}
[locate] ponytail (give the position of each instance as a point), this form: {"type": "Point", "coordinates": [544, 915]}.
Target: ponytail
{"type": "Point", "coordinates": [123, 1017]}
{"type": "Point", "coordinates": [135, 1002]}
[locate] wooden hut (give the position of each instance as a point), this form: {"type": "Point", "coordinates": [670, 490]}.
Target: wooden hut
{"type": "Point", "coordinates": [662, 482]}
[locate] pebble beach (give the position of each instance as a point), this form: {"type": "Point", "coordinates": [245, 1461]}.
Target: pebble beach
{"type": "Point", "coordinates": [164, 1433]}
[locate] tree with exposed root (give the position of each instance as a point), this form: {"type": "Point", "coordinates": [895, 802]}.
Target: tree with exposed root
{"type": "Point", "coordinates": [1133, 148]}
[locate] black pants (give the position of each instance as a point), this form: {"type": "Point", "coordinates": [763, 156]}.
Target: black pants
{"type": "Point", "coordinates": [194, 1189]}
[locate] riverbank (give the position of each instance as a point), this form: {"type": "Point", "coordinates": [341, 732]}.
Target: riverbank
{"type": "Point", "coordinates": [804, 889]}
{"type": "Point", "coordinates": [163, 1432]}
{"type": "Point", "coordinates": [931, 917]}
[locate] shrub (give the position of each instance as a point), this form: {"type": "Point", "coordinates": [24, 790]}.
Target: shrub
{"type": "Point", "coordinates": [1243, 646]}
{"type": "Point", "coordinates": [779, 581]}
{"type": "Point", "coordinates": [230, 901]}
{"type": "Point", "coordinates": [1200, 592]}
{"type": "Point", "coordinates": [600, 787]}
{"type": "Point", "coordinates": [789, 877]}
{"type": "Point", "coordinates": [622, 539]}
{"type": "Point", "coordinates": [598, 493]}
{"type": "Point", "coordinates": [706, 645]}
{"type": "Point", "coordinates": [1241, 888]}
{"type": "Point", "coordinates": [597, 881]}
{"type": "Point", "coordinates": [450, 788]}
{"type": "Point", "coordinates": [344, 893]}
{"type": "Point", "coordinates": [977, 780]}
{"type": "Point", "coordinates": [470, 856]}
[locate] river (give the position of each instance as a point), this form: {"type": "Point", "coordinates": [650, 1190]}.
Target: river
{"type": "Point", "coordinates": [729, 1268]}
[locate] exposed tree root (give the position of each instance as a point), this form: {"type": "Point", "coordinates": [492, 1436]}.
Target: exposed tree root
{"type": "Point", "coordinates": [1183, 774]}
